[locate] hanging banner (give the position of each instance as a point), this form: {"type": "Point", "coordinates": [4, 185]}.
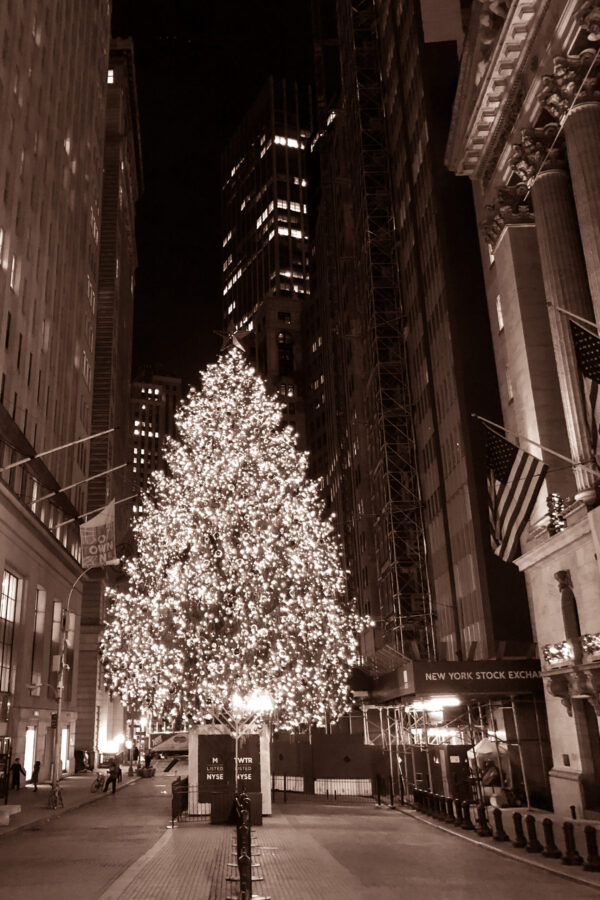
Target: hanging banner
{"type": "Point", "coordinates": [98, 545]}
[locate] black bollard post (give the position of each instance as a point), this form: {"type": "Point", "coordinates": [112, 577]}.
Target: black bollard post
{"type": "Point", "coordinates": [417, 799]}
{"type": "Point", "coordinates": [592, 863]}
{"type": "Point", "coordinates": [483, 827]}
{"type": "Point", "coordinates": [436, 806]}
{"type": "Point", "coordinates": [449, 811]}
{"type": "Point", "coordinates": [458, 819]}
{"type": "Point", "coordinates": [520, 840]}
{"type": "Point", "coordinates": [533, 845]}
{"type": "Point", "coordinates": [571, 857]}
{"type": "Point", "coordinates": [467, 823]}
{"type": "Point", "coordinates": [551, 851]}
{"type": "Point", "coordinates": [499, 834]}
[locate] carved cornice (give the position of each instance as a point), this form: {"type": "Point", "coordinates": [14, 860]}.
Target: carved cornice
{"type": "Point", "coordinates": [512, 207]}
{"type": "Point", "coordinates": [538, 151]}
{"type": "Point", "coordinates": [588, 17]}
{"type": "Point", "coordinates": [570, 80]}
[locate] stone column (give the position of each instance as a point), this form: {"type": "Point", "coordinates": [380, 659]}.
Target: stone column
{"type": "Point", "coordinates": [571, 95]}
{"type": "Point", "coordinates": [565, 278]}
{"type": "Point", "coordinates": [582, 136]}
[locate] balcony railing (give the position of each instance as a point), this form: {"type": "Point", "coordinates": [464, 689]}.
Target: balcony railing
{"type": "Point", "coordinates": [584, 649]}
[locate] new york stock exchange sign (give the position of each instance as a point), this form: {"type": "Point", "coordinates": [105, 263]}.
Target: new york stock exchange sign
{"type": "Point", "coordinates": [471, 678]}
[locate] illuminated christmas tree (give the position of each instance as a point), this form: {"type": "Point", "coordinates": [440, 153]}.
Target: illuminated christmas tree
{"type": "Point", "coordinates": [237, 587]}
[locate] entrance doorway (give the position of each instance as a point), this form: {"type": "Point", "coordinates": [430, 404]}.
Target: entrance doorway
{"type": "Point", "coordinates": [30, 743]}
{"type": "Point", "coordinates": [64, 750]}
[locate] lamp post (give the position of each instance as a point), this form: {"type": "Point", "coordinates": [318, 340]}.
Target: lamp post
{"type": "Point", "coordinates": [55, 800]}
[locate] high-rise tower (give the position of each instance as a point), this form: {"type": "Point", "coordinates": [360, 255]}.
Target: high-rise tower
{"type": "Point", "coordinates": [265, 236]}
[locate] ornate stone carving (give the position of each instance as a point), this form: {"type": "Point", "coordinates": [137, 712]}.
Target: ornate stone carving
{"type": "Point", "coordinates": [559, 687]}
{"type": "Point", "coordinates": [570, 77]}
{"type": "Point", "coordinates": [588, 17]}
{"type": "Point", "coordinates": [537, 151]}
{"type": "Point", "coordinates": [491, 21]}
{"type": "Point", "coordinates": [513, 207]}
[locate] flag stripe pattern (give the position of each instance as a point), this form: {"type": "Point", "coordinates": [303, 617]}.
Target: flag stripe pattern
{"type": "Point", "coordinates": [587, 353]}
{"type": "Point", "coordinates": [514, 481]}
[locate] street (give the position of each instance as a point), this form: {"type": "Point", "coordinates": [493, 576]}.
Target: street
{"type": "Point", "coordinates": [120, 847]}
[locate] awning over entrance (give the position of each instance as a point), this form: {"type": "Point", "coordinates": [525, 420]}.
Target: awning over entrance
{"type": "Point", "coordinates": [470, 679]}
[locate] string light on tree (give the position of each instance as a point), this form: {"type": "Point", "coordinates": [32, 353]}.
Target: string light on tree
{"type": "Point", "coordinates": [237, 587]}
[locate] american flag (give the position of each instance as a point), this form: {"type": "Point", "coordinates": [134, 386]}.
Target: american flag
{"type": "Point", "coordinates": [514, 481]}
{"type": "Point", "coordinates": [587, 352]}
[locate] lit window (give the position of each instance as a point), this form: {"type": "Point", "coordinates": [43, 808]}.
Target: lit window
{"type": "Point", "coordinates": [111, 76]}
{"type": "Point", "coordinates": [283, 231]}
{"type": "Point", "coordinates": [227, 238]}
{"type": "Point", "coordinates": [296, 233]}
{"type": "Point", "coordinates": [499, 313]}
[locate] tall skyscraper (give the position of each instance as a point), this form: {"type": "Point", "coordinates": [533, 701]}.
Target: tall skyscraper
{"type": "Point", "coordinates": [407, 357]}
{"type": "Point", "coordinates": [51, 146]}
{"type": "Point", "coordinates": [100, 717]}
{"type": "Point", "coordinates": [525, 130]}
{"type": "Point", "coordinates": [153, 404]}
{"type": "Point", "coordinates": [265, 237]}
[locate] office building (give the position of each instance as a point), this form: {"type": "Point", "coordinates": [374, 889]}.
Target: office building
{"type": "Point", "coordinates": [101, 719]}
{"type": "Point", "coordinates": [407, 344]}
{"type": "Point", "coordinates": [525, 130]}
{"type": "Point", "coordinates": [154, 400]}
{"type": "Point", "coordinates": [265, 238]}
{"type": "Point", "coordinates": [51, 158]}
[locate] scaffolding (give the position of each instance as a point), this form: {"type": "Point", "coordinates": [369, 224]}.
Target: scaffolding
{"type": "Point", "coordinates": [397, 507]}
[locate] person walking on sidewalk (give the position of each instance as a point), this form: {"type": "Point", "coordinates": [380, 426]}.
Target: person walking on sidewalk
{"type": "Point", "coordinates": [35, 775]}
{"type": "Point", "coordinates": [113, 773]}
{"type": "Point", "coordinates": [16, 770]}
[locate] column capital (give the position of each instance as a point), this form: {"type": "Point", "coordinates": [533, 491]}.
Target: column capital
{"type": "Point", "coordinates": [570, 79]}
{"type": "Point", "coordinates": [537, 152]}
{"type": "Point", "coordinates": [588, 17]}
{"type": "Point", "coordinates": [512, 207]}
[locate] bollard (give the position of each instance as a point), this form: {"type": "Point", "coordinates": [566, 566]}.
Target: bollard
{"type": "Point", "coordinates": [520, 839]}
{"type": "Point", "coordinates": [483, 827]}
{"type": "Point", "coordinates": [592, 863]}
{"type": "Point", "coordinates": [437, 806]}
{"type": "Point", "coordinates": [418, 799]}
{"type": "Point", "coordinates": [466, 823]}
{"type": "Point", "coordinates": [499, 834]}
{"type": "Point", "coordinates": [449, 811]}
{"type": "Point", "coordinates": [551, 851]}
{"type": "Point", "coordinates": [459, 813]}
{"type": "Point", "coordinates": [533, 845]}
{"type": "Point", "coordinates": [571, 857]}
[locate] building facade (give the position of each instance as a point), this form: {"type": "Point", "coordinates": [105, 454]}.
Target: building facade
{"type": "Point", "coordinates": [407, 355]}
{"type": "Point", "coordinates": [525, 130]}
{"type": "Point", "coordinates": [51, 154]}
{"type": "Point", "coordinates": [101, 719]}
{"type": "Point", "coordinates": [153, 404]}
{"type": "Point", "coordinates": [266, 276]}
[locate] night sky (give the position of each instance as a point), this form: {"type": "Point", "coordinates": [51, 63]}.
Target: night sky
{"type": "Point", "coordinates": [199, 65]}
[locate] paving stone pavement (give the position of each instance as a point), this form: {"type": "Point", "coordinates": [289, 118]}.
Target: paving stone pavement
{"type": "Point", "coordinates": [339, 854]}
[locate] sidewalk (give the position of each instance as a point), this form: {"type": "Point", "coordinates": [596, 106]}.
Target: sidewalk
{"type": "Point", "coordinates": [343, 854]}
{"type": "Point", "coordinates": [75, 791]}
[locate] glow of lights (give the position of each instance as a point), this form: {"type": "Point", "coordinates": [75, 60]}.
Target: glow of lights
{"type": "Point", "coordinates": [237, 586]}
{"type": "Point", "coordinates": [434, 704]}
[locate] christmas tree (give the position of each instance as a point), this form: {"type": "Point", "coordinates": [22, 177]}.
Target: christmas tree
{"type": "Point", "coordinates": [237, 588]}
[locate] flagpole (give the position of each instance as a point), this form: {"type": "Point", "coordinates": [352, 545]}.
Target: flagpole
{"type": "Point", "coordinates": [27, 459]}
{"type": "Point", "coordinates": [77, 483]}
{"type": "Point", "coordinates": [572, 315]}
{"type": "Point", "coordinates": [519, 437]}
{"type": "Point", "coordinates": [92, 511]}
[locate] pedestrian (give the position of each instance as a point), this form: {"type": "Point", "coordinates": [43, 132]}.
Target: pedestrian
{"type": "Point", "coordinates": [113, 772]}
{"type": "Point", "coordinates": [16, 771]}
{"type": "Point", "coordinates": [35, 775]}
{"type": "Point", "coordinates": [136, 753]}
{"type": "Point", "coordinates": [119, 774]}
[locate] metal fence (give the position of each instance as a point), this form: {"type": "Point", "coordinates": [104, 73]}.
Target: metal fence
{"type": "Point", "coordinates": [290, 788]}
{"type": "Point", "coordinates": [185, 805]}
